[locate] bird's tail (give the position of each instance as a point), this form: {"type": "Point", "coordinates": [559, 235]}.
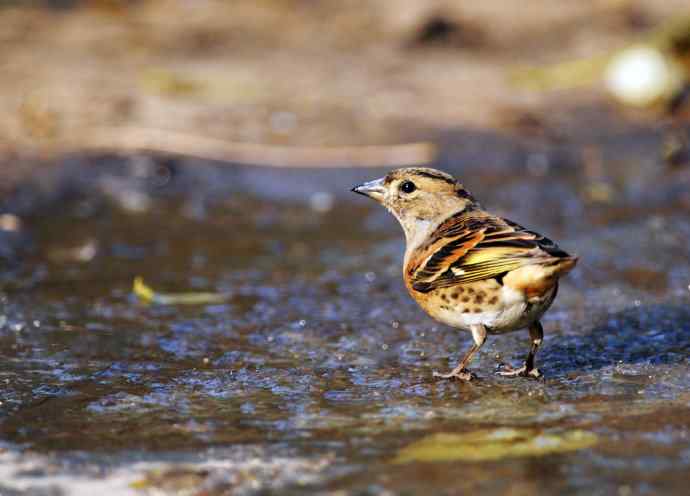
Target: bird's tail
{"type": "Point", "coordinates": [563, 265]}
{"type": "Point", "coordinates": [537, 279]}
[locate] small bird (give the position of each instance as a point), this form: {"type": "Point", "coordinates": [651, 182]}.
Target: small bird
{"type": "Point", "coordinates": [467, 268]}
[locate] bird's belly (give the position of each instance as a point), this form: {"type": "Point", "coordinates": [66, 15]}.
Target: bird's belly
{"type": "Point", "coordinates": [506, 310]}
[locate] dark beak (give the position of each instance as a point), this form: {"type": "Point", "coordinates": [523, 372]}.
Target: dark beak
{"type": "Point", "coordinates": [373, 189]}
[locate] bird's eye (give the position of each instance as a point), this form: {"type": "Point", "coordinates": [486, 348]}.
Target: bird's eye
{"type": "Point", "coordinates": [407, 187]}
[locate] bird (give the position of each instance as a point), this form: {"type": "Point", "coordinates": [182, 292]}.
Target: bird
{"type": "Point", "coordinates": [467, 268]}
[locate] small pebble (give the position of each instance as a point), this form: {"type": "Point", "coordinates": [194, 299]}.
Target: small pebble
{"type": "Point", "coordinates": [624, 491]}
{"type": "Point", "coordinates": [538, 164]}
{"type": "Point", "coordinates": [321, 202]}
{"type": "Point", "coordinates": [10, 222]}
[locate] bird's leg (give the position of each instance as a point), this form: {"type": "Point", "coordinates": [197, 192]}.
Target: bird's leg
{"type": "Point", "coordinates": [536, 334]}
{"type": "Point", "coordinates": [460, 372]}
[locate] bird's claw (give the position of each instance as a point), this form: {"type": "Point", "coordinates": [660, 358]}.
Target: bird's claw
{"type": "Point", "coordinates": [508, 371]}
{"type": "Point", "coordinates": [459, 375]}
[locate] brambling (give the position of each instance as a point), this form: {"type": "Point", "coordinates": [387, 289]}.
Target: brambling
{"type": "Point", "coordinates": [467, 268]}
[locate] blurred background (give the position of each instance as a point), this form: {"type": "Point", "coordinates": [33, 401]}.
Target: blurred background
{"type": "Point", "coordinates": [80, 74]}
{"type": "Point", "coordinates": [193, 302]}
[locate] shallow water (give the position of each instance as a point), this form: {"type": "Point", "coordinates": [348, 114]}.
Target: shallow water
{"type": "Point", "coordinates": [316, 373]}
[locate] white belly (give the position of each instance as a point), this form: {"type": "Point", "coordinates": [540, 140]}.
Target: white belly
{"type": "Point", "coordinates": [513, 312]}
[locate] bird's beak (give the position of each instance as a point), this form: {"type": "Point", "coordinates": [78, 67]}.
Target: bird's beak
{"type": "Point", "coordinates": [373, 189]}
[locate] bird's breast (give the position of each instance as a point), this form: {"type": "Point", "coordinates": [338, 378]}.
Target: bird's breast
{"type": "Point", "coordinates": [499, 308]}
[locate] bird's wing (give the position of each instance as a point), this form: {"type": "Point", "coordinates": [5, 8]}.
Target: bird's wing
{"type": "Point", "coordinates": [473, 246]}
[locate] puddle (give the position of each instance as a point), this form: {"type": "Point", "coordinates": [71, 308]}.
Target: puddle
{"type": "Point", "coordinates": [315, 372]}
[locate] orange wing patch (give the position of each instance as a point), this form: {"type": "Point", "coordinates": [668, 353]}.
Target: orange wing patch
{"type": "Point", "coordinates": [473, 246]}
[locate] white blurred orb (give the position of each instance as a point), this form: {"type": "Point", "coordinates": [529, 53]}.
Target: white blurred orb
{"type": "Point", "coordinates": [640, 76]}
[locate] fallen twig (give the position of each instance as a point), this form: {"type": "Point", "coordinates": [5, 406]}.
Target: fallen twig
{"type": "Point", "coordinates": [148, 295]}
{"type": "Point", "coordinates": [155, 140]}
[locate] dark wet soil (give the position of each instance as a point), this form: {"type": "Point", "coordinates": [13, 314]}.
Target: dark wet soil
{"type": "Point", "coordinates": [316, 373]}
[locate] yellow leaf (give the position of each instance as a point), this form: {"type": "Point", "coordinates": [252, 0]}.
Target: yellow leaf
{"type": "Point", "coordinates": [483, 445]}
{"type": "Point", "coordinates": [149, 295]}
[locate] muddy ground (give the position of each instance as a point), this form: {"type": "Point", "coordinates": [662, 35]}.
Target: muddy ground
{"type": "Point", "coordinates": [315, 374]}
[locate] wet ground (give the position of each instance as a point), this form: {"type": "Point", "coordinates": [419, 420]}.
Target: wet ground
{"type": "Point", "coordinates": [316, 373]}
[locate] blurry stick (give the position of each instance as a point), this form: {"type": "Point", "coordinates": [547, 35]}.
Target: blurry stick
{"type": "Point", "coordinates": [154, 140]}
{"type": "Point", "coordinates": [582, 72]}
{"type": "Point", "coordinates": [562, 75]}
{"type": "Point", "coordinates": [147, 294]}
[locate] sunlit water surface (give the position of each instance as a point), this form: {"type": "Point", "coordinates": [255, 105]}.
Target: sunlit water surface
{"type": "Point", "coordinates": [316, 373]}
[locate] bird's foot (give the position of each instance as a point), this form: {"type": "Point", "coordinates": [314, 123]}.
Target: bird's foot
{"type": "Point", "coordinates": [459, 375]}
{"type": "Point", "coordinates": [508, 371]}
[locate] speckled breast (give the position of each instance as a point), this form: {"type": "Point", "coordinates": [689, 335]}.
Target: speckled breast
{"type": "Point", "coordinates": [499, 308]}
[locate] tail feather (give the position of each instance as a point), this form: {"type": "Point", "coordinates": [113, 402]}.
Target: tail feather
{"type": "Point", "coordinates": [564, 265]}
{"type": "Point", "coordinates": [535, 280]}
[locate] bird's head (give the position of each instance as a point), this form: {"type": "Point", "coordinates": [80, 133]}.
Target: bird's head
{"type": "Point", "coordinates": [419, 198]}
